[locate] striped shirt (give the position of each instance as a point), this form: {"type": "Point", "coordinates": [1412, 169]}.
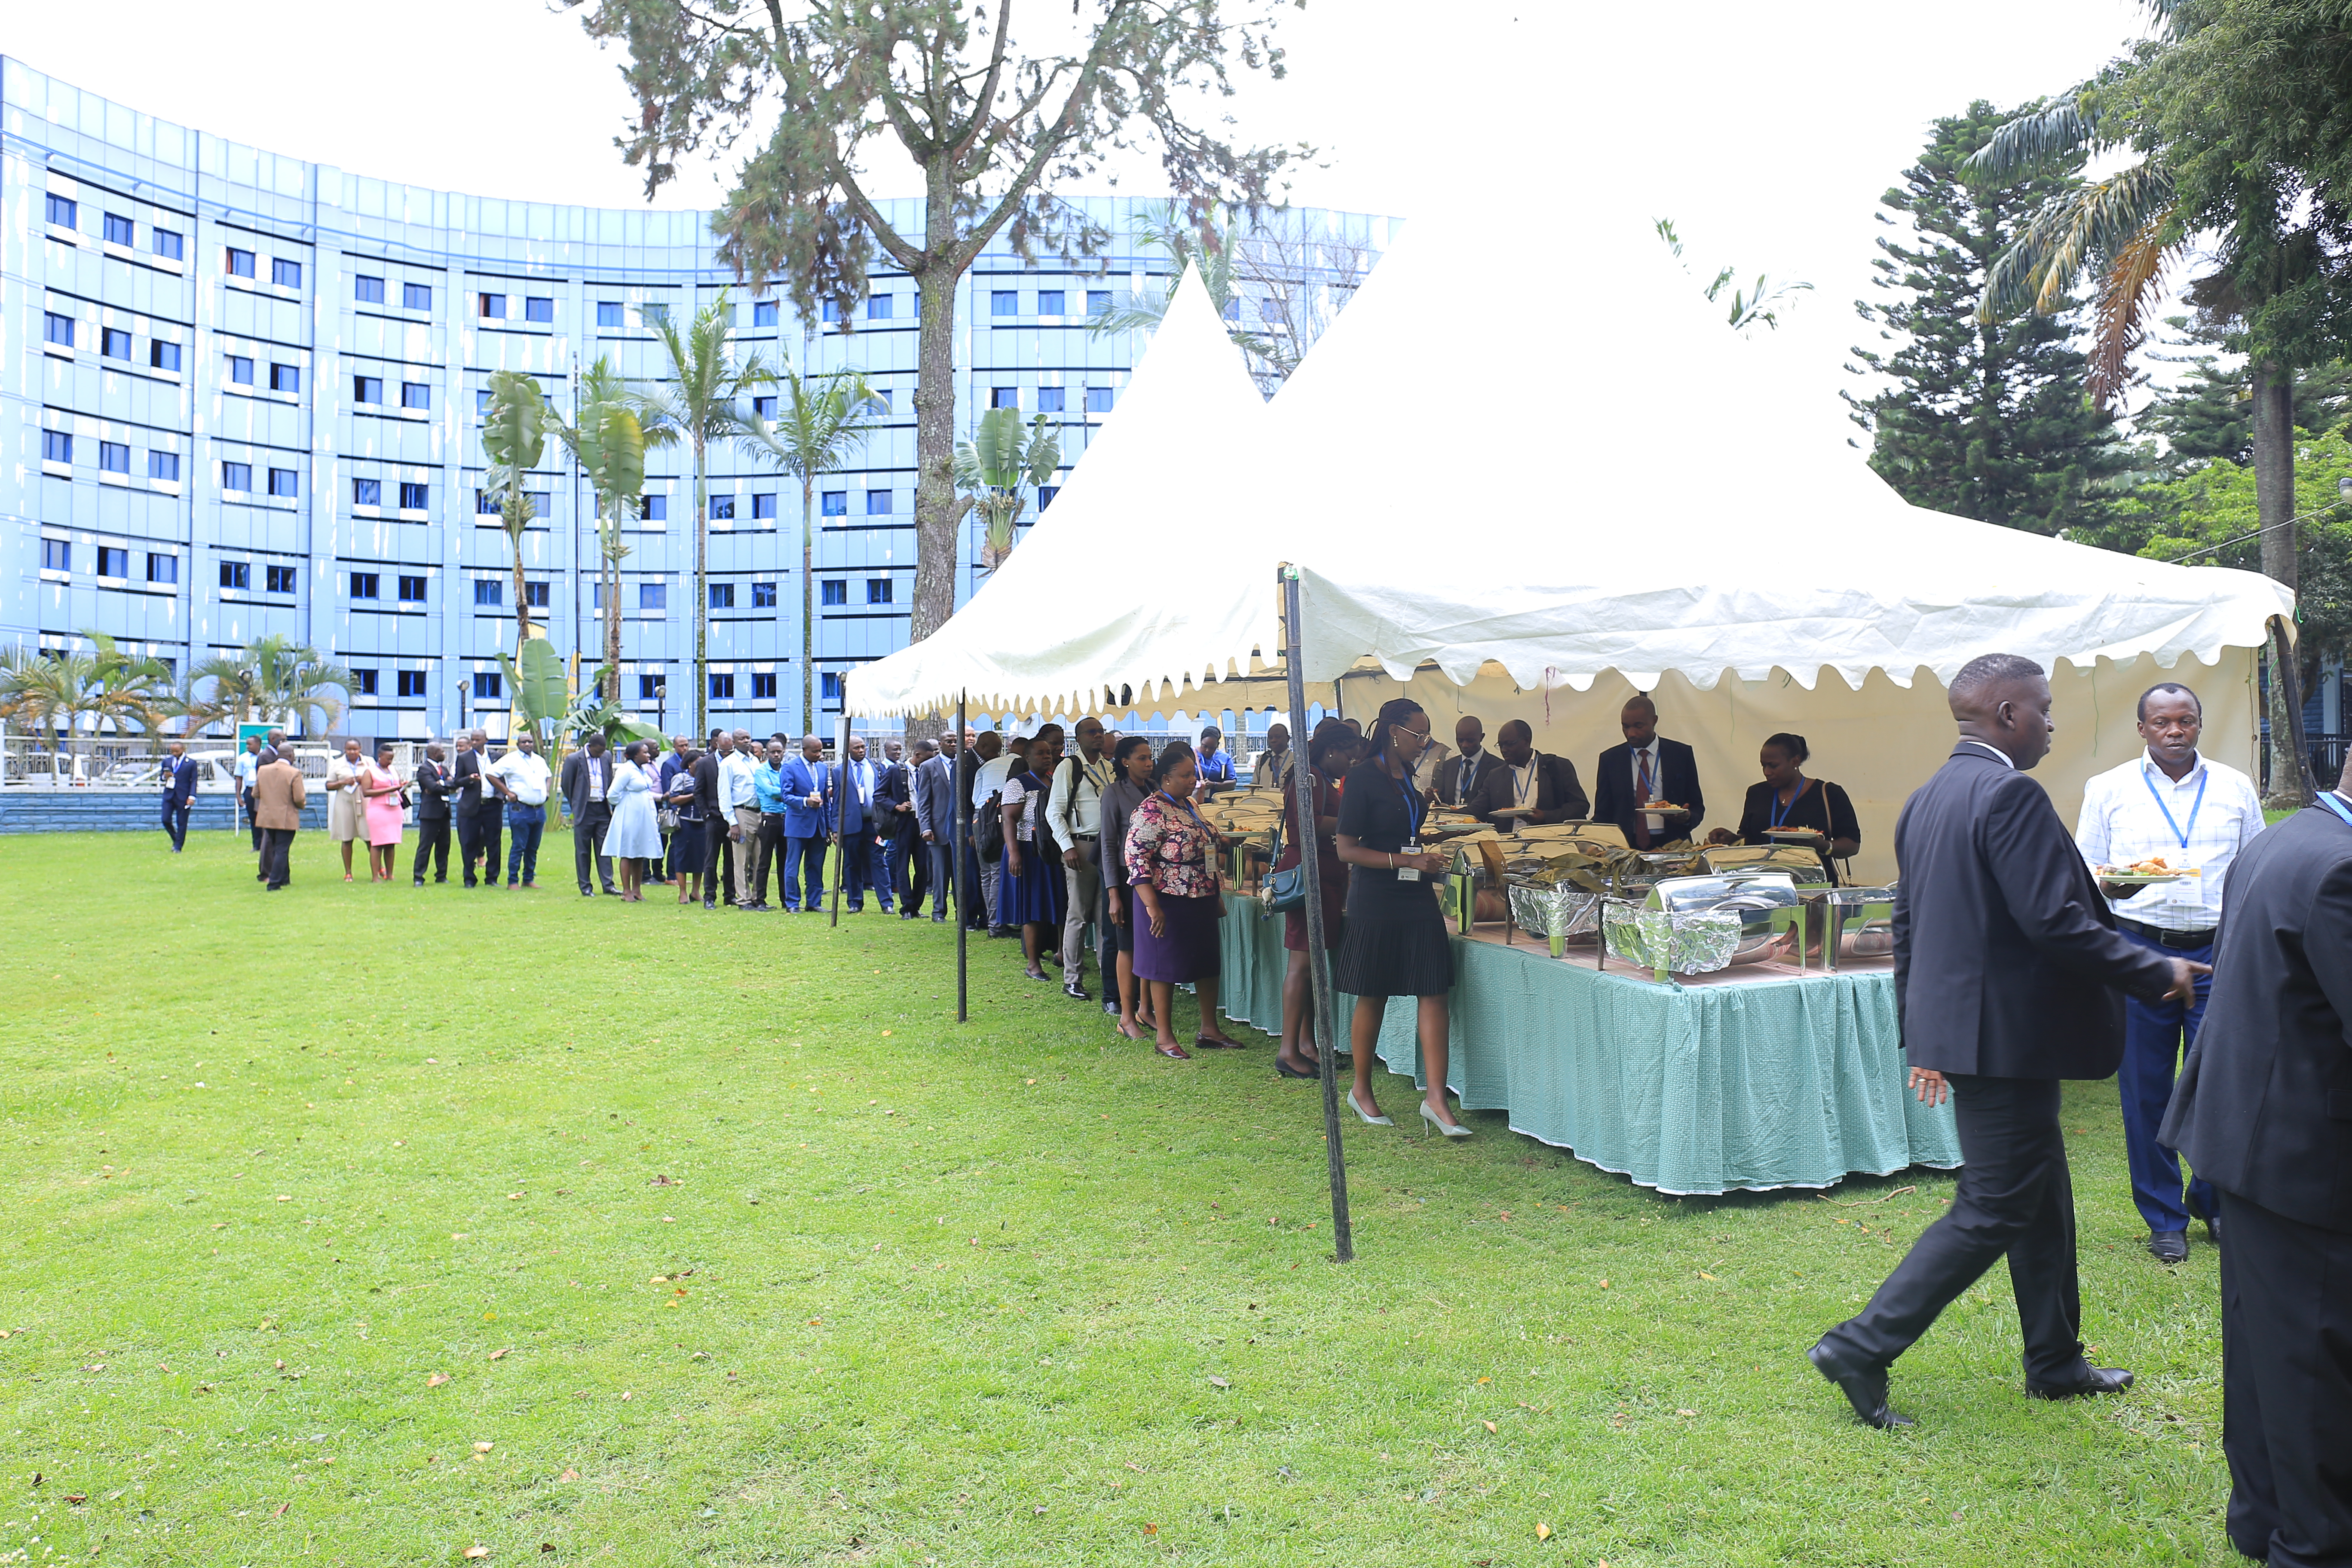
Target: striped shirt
{"type": "Point", "coordinates": [2125, 819]}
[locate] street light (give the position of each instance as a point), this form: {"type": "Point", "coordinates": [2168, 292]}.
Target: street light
{"type": "Point", "coordinates": [661, 704]}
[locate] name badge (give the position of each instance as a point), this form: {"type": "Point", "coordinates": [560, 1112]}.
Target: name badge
{"type": "Point", "coordinates": [1410, 873]}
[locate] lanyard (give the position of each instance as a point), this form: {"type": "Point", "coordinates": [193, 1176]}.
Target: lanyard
{"type": "Point", "coordinates": [1187, 807]}
{"type": "Point", "coordinates": [2327, 798]}
{"type": "Point", "coordinates": [2178, 831]}
{"type": "Point", "coordinates": [1780, 813]}
{"type": "Point", "coordinates": [1520, 788]}
{"type": "Point", "coordinates": [1468, 780]}
{"type": "Point", "coordinates": [1645, 780]}
{"type": "Point", "coordinates": [1412, 809]}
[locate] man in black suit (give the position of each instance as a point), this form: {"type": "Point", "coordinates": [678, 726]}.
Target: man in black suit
{"type": "Point", "coordinates": [1521, 776]}
{"type": "Point", "coordinates": [2007, 970]}
{"type": "Point", "coordinates": [2264, 1112]}
{"type": "Point", "coordinates": [179, 777]}
{"type": "Point", "coordinates": [588, 796]}
{"type": "Point", "coordinates": [894, 822]}
{"type": "Point", "coordinates": [433, 814]}
{"type": "Point", "coordinates": [1647, 767]}
{"type": "Point", "coordinates": [480, 822]}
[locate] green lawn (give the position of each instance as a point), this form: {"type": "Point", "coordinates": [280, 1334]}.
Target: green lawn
{"type": "Point", "coordinates": [365, 1225]}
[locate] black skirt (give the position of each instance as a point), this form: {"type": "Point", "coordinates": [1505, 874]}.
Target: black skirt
{"type": "Point", "coordinates": [1394, 947]}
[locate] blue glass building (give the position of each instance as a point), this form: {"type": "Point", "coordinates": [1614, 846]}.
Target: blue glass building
{"type": "Point", "coordinates": [239, 395]}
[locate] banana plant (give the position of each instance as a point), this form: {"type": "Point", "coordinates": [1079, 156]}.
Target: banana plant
{"type": "Point", "coordinates": [542, 692]}
{"type": "Point", "coordinates": [609, 443]}
{"type": "Point", "coordinates": [513, 435]}
{"type": "Point", "coordinates": [592, 714]}
{"type": "Point", "coordinates": [997, 468]}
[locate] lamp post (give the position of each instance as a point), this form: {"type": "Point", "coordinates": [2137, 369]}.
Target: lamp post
{"type": "Point", "coordinates": [661, 704]}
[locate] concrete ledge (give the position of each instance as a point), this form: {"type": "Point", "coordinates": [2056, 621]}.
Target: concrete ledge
{"type": "Point", "coordinates": [123, 811]}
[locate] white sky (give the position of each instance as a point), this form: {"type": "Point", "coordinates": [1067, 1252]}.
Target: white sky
{"type": "Point", "coordinates": [1767, 135]}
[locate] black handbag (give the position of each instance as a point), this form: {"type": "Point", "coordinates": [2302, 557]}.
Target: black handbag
{"type": "Point", "coordinates": [1285, 891]}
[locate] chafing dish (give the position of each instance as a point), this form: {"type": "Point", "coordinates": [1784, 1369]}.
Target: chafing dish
{"type": "Point", "coordinates": [1556, 912]}
{"type": "Point", "coordinates": [1694, 925]}
{"type": "Point", "coordinates": [1856, 923]}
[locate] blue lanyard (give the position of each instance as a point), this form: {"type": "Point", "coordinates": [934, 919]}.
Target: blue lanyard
{"type": "Point", "coordinates": [1780, 813]}
{"type": "Point", "coordinates": [1188, 808]}
{"type": "Point", "coordinates": [2327, 798]}
{"type": "Point", "coordinates": [1412, 808]}
{"type": "Point", "coordinates": [2195, 806]}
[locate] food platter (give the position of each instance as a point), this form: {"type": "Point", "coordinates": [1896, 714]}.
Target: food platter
{"type": "Point", "coordinates": [1809, 835]}
{"type": "Point", "coordinates": [2147, 873]}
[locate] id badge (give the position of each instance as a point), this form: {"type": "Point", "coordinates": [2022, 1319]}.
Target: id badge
{"type": "Point", "coordinates": [1410, 873]}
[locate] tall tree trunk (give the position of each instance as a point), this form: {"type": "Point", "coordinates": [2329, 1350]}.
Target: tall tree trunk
{"type": "Point", "coordinates": [935, 409]}
{"type": "Point", "coordinates": [701, 602]}
{"type": "Point", "coordinates": [2273, 411]}
{"type": "Point", "coordinates": [612, 601]}
{"type": "Point", "coordinates": [808, 604]}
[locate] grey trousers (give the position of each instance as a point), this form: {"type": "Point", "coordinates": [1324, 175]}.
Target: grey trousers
{"type": "Point", "coordinates": [1084, 882]}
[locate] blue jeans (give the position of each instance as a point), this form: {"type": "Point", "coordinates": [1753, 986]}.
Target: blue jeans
{"type": "Point", "coordinates": [2155, 1036]}
{"type": "Point", "coordinates": [525, 823]}
{"type": "Point", "coordinates": [804, 869]}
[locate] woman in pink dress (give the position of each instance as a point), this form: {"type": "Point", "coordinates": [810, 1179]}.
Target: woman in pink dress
{"type": "Point", "coordinates": [385, 798]}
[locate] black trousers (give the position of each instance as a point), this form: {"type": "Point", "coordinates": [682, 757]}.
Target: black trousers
{"type": "Point", "coordinates": [433, 843]}
{"type": "Point", "coordinates": [2015, 1200]}
{"type": "Point", "coordinates": [767, 853]}
{"type": "Point", "coordinates": [718, 857]}
{"type": "Point", "coordinates": [587, 841]}
{"type": "Point", "coordinates": [276, 849]}
{"type": "Point", "coordinates": [480, 835]}
{"type": "Point", "coordinates": [247, 794]}
{"type": "Point", "coordinates": [2286, 1386]}
{"type": "Point", "coordinates": [903, 862]}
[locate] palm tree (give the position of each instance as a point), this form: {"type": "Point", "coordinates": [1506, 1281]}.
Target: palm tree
{"type": "Point", "coordinates": [995, 470]}
{"type": "Point", "coordinates": [609, 444]}
{"type": "Point", "coordinates": [1214, 249]}
{"type": "Point", "coordinates": [126, 688]}
{"type": "Point", "coordinates": [700, 403]}
{"type": "Point", "coordinates": [271, 679]}
{"type": "Point", "coordinates": [42, 689]}
{"type": "Point", "coordinates": [823, 424]}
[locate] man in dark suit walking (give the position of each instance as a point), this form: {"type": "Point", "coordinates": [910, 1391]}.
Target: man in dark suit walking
{"type": "Point", "coordinates": [588, 796]}
{"type": "Point", "coordinates": [1647, 767]}
{"type": "Point", "coordinates": [433, 814]}
{"type": "Point", "coordinates": [178, 780]}
{"type": "Point", "coordinates": [479, 821]}
{"type": "Point", "coordinates": [2007, 974]}
{"type": "Point", "coordinates": [2264, 1112]}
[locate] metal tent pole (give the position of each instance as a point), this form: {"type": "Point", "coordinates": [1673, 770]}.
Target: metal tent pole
{"type": "Point", "coordinates": [840, 813]}
{"type": "Point", "coordinates": [955, 859]}
{"type": "Point", "coordinates": [1310, 861]}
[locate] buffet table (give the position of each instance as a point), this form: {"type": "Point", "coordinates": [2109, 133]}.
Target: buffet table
{"type": "Point", "coordinates": [1750, 1078]}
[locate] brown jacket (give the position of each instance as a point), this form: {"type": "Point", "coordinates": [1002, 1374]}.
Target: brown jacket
{"type": "Point", "coordinates": [277, 796]}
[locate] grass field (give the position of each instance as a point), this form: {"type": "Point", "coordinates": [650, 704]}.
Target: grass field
{"type": "Point", "coordinates": [365, 1225]}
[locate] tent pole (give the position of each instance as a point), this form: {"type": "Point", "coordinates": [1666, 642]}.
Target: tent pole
{"type": "Point", "coordinates": [840, 813]}
{"type": "Point", "coordinates": [955, 859]}
{"type": "Point", "coordinates": [1310, 861]}
{"type": "Point", "coordinates": [2290, 677]}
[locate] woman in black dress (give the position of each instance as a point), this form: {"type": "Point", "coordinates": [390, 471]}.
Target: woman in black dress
{"type": "Point", "coordinates": [1787, 798]}
{"type": "Point", "coordinates": [1329, 752]}
{"type": "Point", "coordinates": [1395, 943]}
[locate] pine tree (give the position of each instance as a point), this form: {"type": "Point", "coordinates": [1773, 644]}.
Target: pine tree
{"type": "Point", "coordinates": [1989, 420]}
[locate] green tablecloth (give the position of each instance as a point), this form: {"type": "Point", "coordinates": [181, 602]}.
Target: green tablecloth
{"type": "Point", "coordinates": [1704, 1088]}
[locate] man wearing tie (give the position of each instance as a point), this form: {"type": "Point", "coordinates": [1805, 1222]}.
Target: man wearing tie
{"type": "Point", "coordinates": [1458, 776]}
{"type": "Point", "coordinates": [935, 785]}
{"type": "Point", "coordinates": [433, 814]}
{"type": "Point", "coordinates": [895, 825]}
{"type": "Point", "coordinates": [859, 780]}
{"type": "Point", "coordinates": [178, 780]}
{"type": "Point", "coordinates": [808, 787]}
{"type": "Point", "coordinates": [1533, 788]}
{"type": "Point", "coordinates": [1647, 768]}
{"type": "Point", "coordinates": [588, 796]}
{"type": "Point", "coordinates": [479, 823]}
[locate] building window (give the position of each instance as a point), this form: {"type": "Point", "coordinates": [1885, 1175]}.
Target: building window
{"type": "Point", "coordinates": [416, 296]}
{"type": "Point", "coordinates": [62, 210]}
{"type": "Point", "coordinates": [763, 688]}
{"type": "Point", "coordinates": [1098, 399]}
{"type": "Point", "coordinates": [412, 682]}
{"type": "Point", "coordinates": [285, 378]}
{"type": "Point", "coordinates": [113, 561]}
{"type": "Point", "coordinates": [878, 590]}
{"type": "Point", "coordinates": [608, 313]}
{"type": "Point", "coordinates": [367, 389]}
{"type": "Point", "coordinates": [485, 504]}
{"type": "Point", "coordinates": [163, 465]}
{"type": "Point", "coordinates": [114, 456]}
{"type": "Point", "coordinates": [1045, 494]}
{"type": "Point", "coordinates": [1049, 301]}
{"type": "Point", "coordinates": [368, 290]}
{"type": "Point", "coordinates": [56, 555]}
{"type": "Point", "coordinates": [877, 309]}
{"type": "Point", "coordinates": [534, 593]}
{"type": "Point", "coordinates": [763, 312]}
{"type": "Point", "coordinates": [1049, 400]}
{"type": "Point", "coordinates": [489, 685]}
{"type": "Point", "coordinates": [236, 477]}
{"type": "Point", "coordinates": [763, 407]}
{"type": "Point", "coordinates": [722, 509]}
{"type": "Point", "coordinates": [117, 230]}
{"type": "Point", "coordinates": [722, 595]}
{"type": "Point", "coordinates": [763, 507]}
{"type": "Point", "coordinates": [415, 496]}
{"type": "Point", "coordinates": [281, 482]}
{"type": "Point", "coordinates": [654, 315]}
{"type": "Point", "coordinates": [57, 329]}
{"type": "Point", "coordinates": [412, 590]}
{"type": "Point", "coordinates": [829, 685]}
{"type": "Point", "coordinates": [240, 263]}
{"type": "Point", "coordinates": [162, 567]}
{"type": "Point", "coordinates": [367, 492]}
{"type": "Point", "coordinates": [836, 591]}
{"type": "Point", "coordinates": [363, 585]}
{"type": "Point", "coordinates": [1004, 302]}
{"type": "Point", "coordinates": [1004, 397]}
{"type": "Point", "coordinates": [833, 503]}
{"type": "Point", "coordinates": [366, 687]}
{"type": "Point", "coordinates": [536, 308]}
{"type": "Point", "coordinates": [236, 575]}
{"type": "Point", "coordinates": [416, 394]}
{"type": "Point", "coordinates": [493, 307]}
{"type": "Point", "coordinates": [162, 355]}
{"type": "Point", "coordinates": [653, 509]}
{"type": "Point", "coordinates": [167, 242]}
{"type": "Point", "coordinates": [278, 579]}
{"type": "Point", "coordinates": [57, 446]}
{"type": "Point", "coordinates": [877, 406]}
{"type": "Point", "coordinates": [877, 502]}
{"type": "Point", "coordinates": [490, 591]}
{"type": "Point", "coordinates": [653, 596]}
{"type": "Point", "coordinates": [114, 343]}
{"type": "Point", "coordinates": [829, 310]}
{"type": "Point", "coordinates": [284, 273]}
{"type": "Point", "coordinates": [722, 688]}
{"type": "Point", "coordinates": [763, 596]}
{"type": "Point", "coordinates": [481, 402]}
{"type": "Point", "coordinates": [649, 688]}
{"type": "Point", "coordinates": [1097, 301]}
{"type": "Point", "coordinates": [240, 369]}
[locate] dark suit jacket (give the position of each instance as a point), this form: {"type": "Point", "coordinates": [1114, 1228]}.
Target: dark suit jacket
{"type": "Point", "coordinates": [897, 787]}
{"type": "Point", "coordinates": [935, 799]}
{"type": "Point", "coordinates": [178, 780]}
{"type": "Point", "coordinates": [1612, 787]}
{"type": "Point", "coordinates": [2007, 961]}
{"type": "Point", "coordinates": [575, 780]}
{"type": "Point", "coordinates": [465, 776]}
{"type": "Point", "coordinates": [1558, 797]}
{"type": "Point", "coordinates": [2264, 1104]}
{"type": "Point", "coordinates": [1449, 772]}
{"type": "Point", "coordinates": [433, 787]}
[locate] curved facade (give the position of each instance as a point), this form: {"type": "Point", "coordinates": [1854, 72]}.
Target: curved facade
{"type": "Point", "coordinates": [239, 393]}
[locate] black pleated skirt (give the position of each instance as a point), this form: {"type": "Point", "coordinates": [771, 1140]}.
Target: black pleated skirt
{"type": "Point", "coordinates": [1394, 947]}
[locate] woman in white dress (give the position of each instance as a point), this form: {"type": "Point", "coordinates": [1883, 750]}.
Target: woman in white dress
{"type": "Point", "coordinates": [633, 837]}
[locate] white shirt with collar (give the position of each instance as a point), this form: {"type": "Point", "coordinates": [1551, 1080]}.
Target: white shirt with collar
{"type": "Point", "coordinates": [525, 773]}
{"type": "Point", "coordinates": [735, 770]}
{"type": "Point", "coordinates": [989, 779]}
{"type": "Point", "coordinates": [1074, 808]}
{"type": "Point", "coordinates": [2125, 818]}
{"type": "Point", "coordinates": [1995, 753]}
{"type": "Point", "coordinates": [1633, 771]}
{"type": "Point", "coordinates": [248, 764]}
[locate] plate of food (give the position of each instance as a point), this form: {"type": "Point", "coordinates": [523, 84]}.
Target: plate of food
{"type": "Point", "coordinates": [1663, 809]}
{"type": "Point", "coordinates": [2149, 872]}
{"type": "Point", "coordinates": [1810, 834]}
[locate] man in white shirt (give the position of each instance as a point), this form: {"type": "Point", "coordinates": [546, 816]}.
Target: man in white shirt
{"type": "Point", "coordinates": [1459, 775]}
{"type": "Point", "coordinates": [738, 769]}
{"type": "Point", "coordinates": [2167, 800]}
{"type": "Point", "coordinates": [1074, 810]}
{"type": "Point", "coordinates": [248, 763]}
{"type": "Point", "coordinates": [987, 784]}
{"type": "Point", "coordinates": [521, 778]}
{"type": "Point", "coordinates": [1271, 766]}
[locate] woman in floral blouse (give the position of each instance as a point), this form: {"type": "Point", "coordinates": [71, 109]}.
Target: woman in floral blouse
{"type": "Point", "coordinates": [1170, 863]}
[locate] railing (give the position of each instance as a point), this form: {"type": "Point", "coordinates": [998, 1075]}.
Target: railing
{"type": "Point", "coordinates": [2328, 753]}
{"type": "Point", "coordinates": [132, 763]}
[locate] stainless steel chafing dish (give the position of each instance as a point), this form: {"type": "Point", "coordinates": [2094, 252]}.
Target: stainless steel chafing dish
{"type": "Point", "coordinates": [1694, 925]}
{"type": "Point", "coordinates": [1556, 912]}
{"type": "Point", "coordinates": [1802, 864]}
{"type": "Point", "coordinates": [1865, 916]}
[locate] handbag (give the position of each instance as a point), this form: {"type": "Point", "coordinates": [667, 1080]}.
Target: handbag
{"type": "Point", "coordinates": [1284, 890]}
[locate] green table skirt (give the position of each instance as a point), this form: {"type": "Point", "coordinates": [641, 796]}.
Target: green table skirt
{"type": "Point", "coordinates": [1704, 1089]}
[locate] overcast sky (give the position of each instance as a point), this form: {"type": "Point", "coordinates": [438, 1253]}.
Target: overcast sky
{"type": "Point", "coordinates": [1767, 133]}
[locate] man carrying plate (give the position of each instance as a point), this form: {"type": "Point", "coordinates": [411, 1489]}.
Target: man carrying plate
{"type": "Point", "coordinates": [2166, 803]}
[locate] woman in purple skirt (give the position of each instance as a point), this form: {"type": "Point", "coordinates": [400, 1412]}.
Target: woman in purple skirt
{"type": "Point", "coordinates": [1170, 861]}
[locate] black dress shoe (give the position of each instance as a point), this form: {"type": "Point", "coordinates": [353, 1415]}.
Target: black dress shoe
{"type": "Point", "coordinates": [2168, 1245]}
{"type": "Point", "coordinates": [2094, 1380]}
{"type": "Point", "coordinates": [1866, 1391]}
{"type": "Point", "coordinates": [1076, 992]}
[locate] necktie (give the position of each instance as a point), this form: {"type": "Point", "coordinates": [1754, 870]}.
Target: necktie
{"type": "Point", "coordinates": [1648, 789]}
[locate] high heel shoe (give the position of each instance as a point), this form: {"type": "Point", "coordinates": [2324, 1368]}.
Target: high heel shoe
{"type": "Point", "coordinates": [1369, 1120]}
{"type": "Point", "coordinates": [1451, 1131]}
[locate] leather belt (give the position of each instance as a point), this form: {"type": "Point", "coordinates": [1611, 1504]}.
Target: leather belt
{"type": "Point", "coordinates": [2168, 938]}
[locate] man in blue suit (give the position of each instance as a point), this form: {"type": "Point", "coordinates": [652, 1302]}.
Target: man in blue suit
{"type": "Point", "coordinates": [861, 782]}
{"type": "Point", "coordinates": [807, 783]}
{"type": "Point", "coordinates": [179, 794]}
